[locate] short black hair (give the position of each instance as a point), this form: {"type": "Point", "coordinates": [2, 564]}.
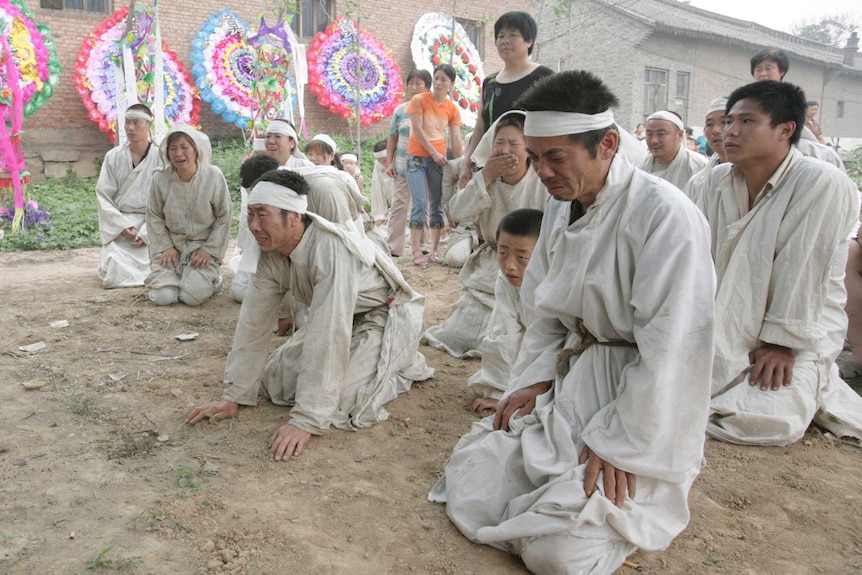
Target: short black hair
{"type": "Point", "coordinates": [525, 222]}
{"type": "Point", "coordinates": [516, 120]}
{"type": "Point", "coordinates": [520, 21]}
{"type": "Point", "coordinates": [812, 103]}
{"type": "Point", "coordinates": [254, 167]}
{"type": "Point", "coordinates": [782, 101]}
{"type": "Point", "coordinates": [446, 69]}
{"type": "Point", "coordinates": [287, 179]}
{"type": "Point", "coordinates": [141, 108]}
{"type": "Point", "coordinates": [775, 54]}
{"type": "Point", "coordinates": [380, 146]}
{"type": "Point", "coordinates": [575, 91]}
{"type": "Point", "coordinates": [423, 75]}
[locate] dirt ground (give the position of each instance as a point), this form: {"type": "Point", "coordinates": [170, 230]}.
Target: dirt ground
{"type": "Point", "coordinates": [98, 472]}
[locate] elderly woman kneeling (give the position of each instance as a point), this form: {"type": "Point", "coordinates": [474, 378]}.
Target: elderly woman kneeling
{"type": "Point", "coordinates": [188, 216]}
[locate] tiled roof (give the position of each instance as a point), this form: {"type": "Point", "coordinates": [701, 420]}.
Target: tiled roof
{"type": "Point", "coordinates": [673, 17]}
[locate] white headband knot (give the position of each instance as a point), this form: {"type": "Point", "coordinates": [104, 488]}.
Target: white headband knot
{"type": "Point", "coordinates": [272, 194]}
{"type": "Point", "coordinates": [547, 123]}
{"type": "Point", "coordinates": [668, 116]}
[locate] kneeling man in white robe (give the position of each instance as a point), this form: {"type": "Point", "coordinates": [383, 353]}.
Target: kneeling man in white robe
{"type": "Point", "coordinates": [122, 192]}
{"type": "Point", "coordinates": [780, 226]}
{"type": "Point", "coordinates": [600, 435]}
{"type": "Point", "coordinates": [358, 348]}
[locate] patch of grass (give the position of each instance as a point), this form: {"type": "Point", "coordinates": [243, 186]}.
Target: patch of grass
{"type": "Point", "coordinates": [102, 561]}
{"type": "Point", "coordinates": [81, 405]}
{"type": "Point", "coordinates": [157, 521]}
{"type": "Point", "coordinates": [186, 477]}
{"type": "Point", "coordinates": [714, 562]}
{"type": "Point", "coordinates": [79, 500]}
{"type": "Point", "coordinates": [73, 213]}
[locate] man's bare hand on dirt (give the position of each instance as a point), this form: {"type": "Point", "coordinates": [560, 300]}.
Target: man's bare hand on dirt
{"type": "Point", "coordinates": [287, 441]}
{"type": "Point", "coordinates": [214, 410]}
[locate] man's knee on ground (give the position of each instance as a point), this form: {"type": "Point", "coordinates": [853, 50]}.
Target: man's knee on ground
{"type": "Point", "coordinates": [165, 295]}
{"type": "Point", "coordinates": [569, 555]}
{"type": "Point", "coordinates": [195, 295]}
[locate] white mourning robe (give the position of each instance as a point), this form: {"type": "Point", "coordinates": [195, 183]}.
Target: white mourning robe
{"type": "Point", "coordinates": [680, 170]}
{"type": "Point", "coordinates": [814, 149]}
{"type": "Point", "coordinates": [697, 180]}
{"type": "Point", "coordinates": [359, 346]}
{"type": "Point", "coordinates": [636, 268]}
{"type": "Point", "coordinates": [122, 193]}
{"type": "Point", "coordinates": [381, 192]}
{"type": "Point", "coordinates": [464, 328]}
{"type": "Point", "coordinates": [189, 216]}
{"type": "Point", "coordinates": [499, 349]}
{"type": "Point", "coordinates": [780, 272]}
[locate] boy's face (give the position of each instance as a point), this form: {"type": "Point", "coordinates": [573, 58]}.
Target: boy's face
{"type": "Point", "coordinates": [513, 255]}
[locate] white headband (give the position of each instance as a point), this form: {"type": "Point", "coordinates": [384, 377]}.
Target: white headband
{"type": "Point", "coordinates": [326, 140]}
{"type": "Point", "coordinates": [272, 194]}
{"type": "Point", "coordinates": [349, 157]}
{"type": "Point", "coordinates": [548, 124]}
{"type": "Point", "coordinates": [380, 154]}
{"type": "Point", "coordinates": [719, 104]}
{"type": "Point", "coordinates": [485, 148]}
{"type": "Point", "coordinates": [138, 115]}
{"type": "Point", "coordinates": [672, 118]}
{"type": "Point", "coordinates": [279, 127]}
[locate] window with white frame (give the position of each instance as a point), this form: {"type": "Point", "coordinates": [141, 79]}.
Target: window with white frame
{"type": "Point", "coordinates": [655, 90]}
{"type": "Point", "coordinates": [311, 17]}
{"type": "Point", "coordinates": [680, 103]}
{"type": "Point", "coordinates": [91, 6]}
{"type": "Point", "coordinates": [474, 29]}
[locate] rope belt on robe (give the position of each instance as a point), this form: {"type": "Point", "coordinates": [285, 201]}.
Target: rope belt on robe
{"type": "Point", "coordinates": [586, 341]}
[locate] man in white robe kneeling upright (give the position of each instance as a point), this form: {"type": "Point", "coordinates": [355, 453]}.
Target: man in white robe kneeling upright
{"type": "Point", "coordinates": [780, 224]}
{"type": "Point", "coordinates": [122, 192]}
{"type": "Point", "coordinates": [600, 435]}
{"type": "Point", "coordinates": [358, 348]}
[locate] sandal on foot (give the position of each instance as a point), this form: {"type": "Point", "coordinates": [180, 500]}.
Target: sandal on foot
{"type": "Point", "coordinates": [434, 258]}
{"type": "Point", "coordinates": [420, 260]}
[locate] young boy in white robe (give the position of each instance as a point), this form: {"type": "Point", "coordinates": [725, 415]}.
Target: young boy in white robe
{"type": "Point", "coordinates": [780, 226]}
{"type": "Point", "coordinates": [516, 238]}
{"type": "Point", "coordinates": [122, 192]}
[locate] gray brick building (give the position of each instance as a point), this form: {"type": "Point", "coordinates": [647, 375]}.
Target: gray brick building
{"type": "Point", "coordinates": [664, 54]}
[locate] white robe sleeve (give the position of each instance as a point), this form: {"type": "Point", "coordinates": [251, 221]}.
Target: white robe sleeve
{"type": "Point", "coordinates": [470, 201]}
{"type": "Point", "coordinates": [247, 358]}
{"type": "Point", "coordinates": [112, 221]}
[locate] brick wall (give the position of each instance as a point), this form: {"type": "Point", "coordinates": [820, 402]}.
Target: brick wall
{"type": "Point", "coordinates": [63, 121]}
